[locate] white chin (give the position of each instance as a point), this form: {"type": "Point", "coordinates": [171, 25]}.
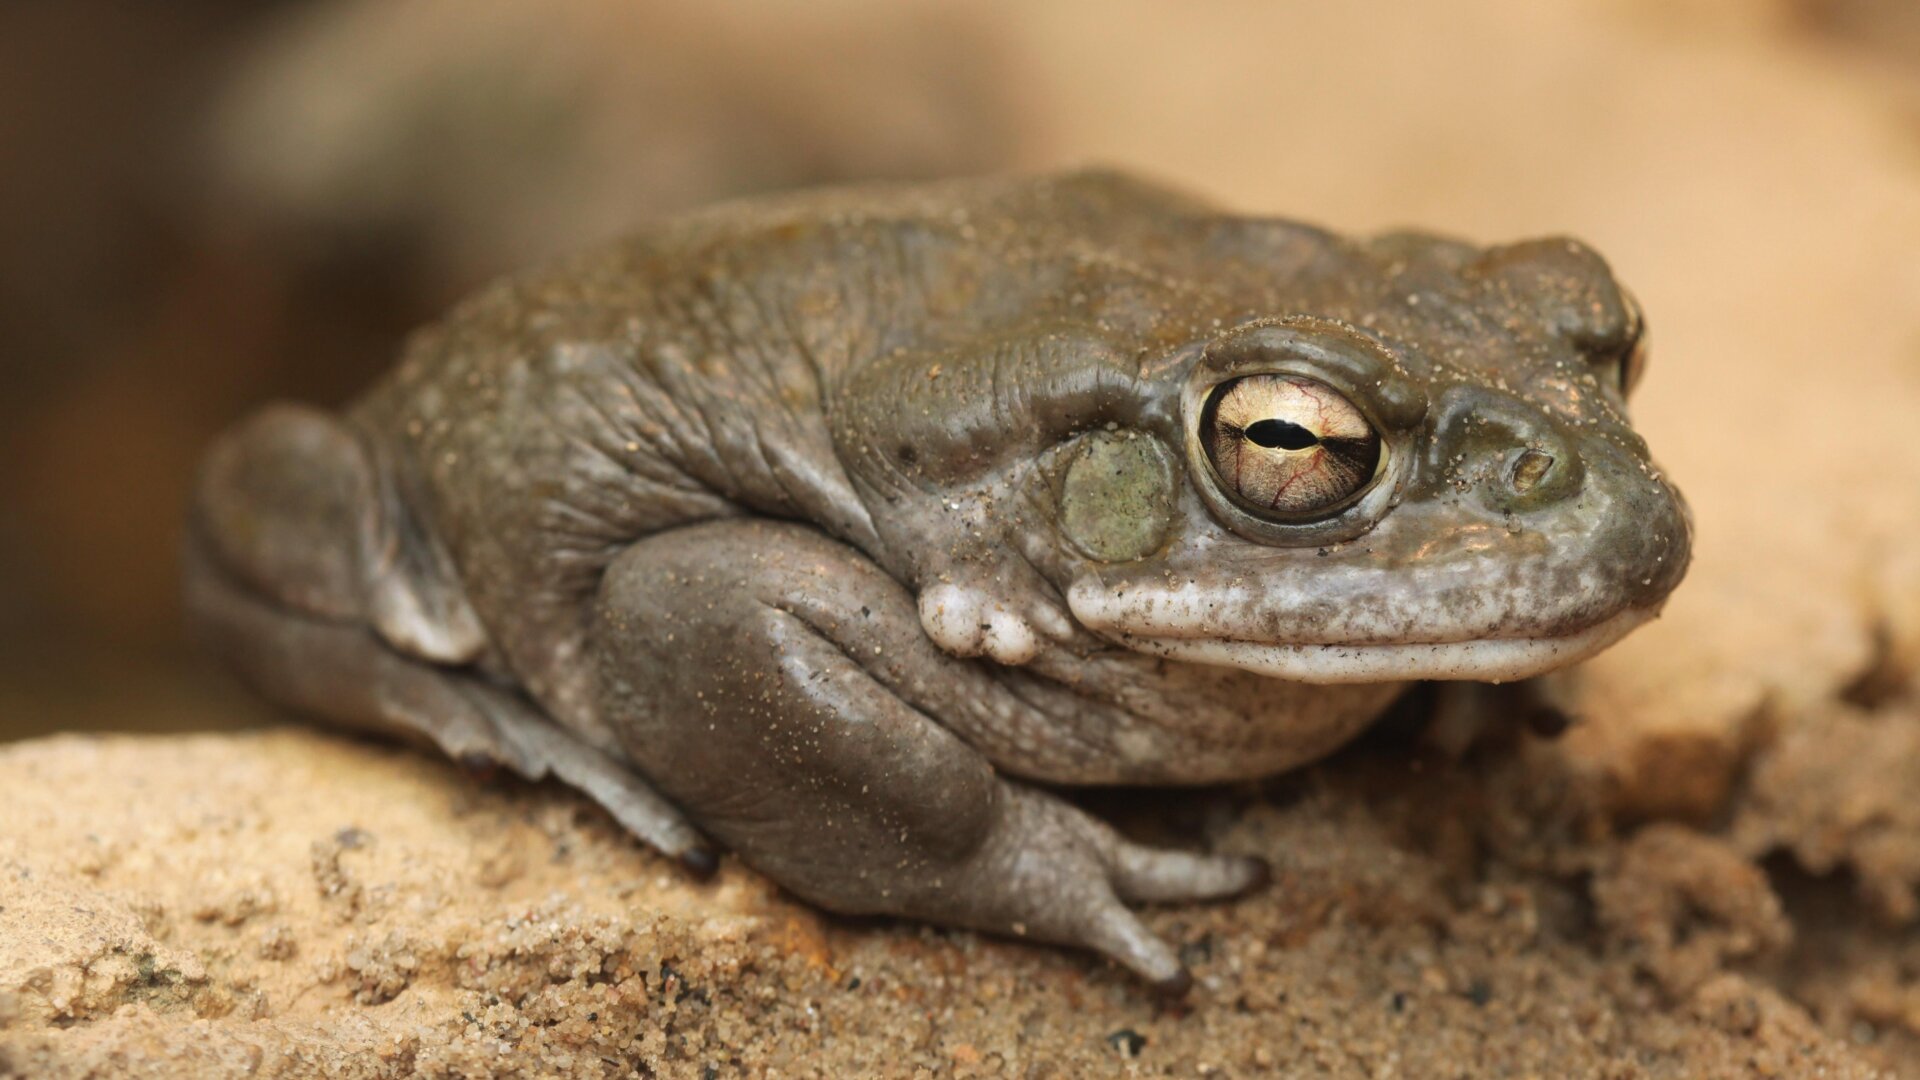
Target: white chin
{"type": "Point", "coordinates": [1493, 660]}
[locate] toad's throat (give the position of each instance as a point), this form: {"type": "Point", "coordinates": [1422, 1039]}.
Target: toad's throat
{"type": "Point", "coordinates": [1486, 660]}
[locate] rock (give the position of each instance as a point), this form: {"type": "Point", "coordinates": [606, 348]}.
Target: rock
{"type": "Point", "coordinates": [1838, 792]}
{"type": "Point", "coordinates": [1681, 905]}
{"type": "Point", "coordinates": [290, 903]}
{"type": "Point", "coordinates": [491, 134]}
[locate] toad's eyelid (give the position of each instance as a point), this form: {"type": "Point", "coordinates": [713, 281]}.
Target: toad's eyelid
{"type": "Point", "coordinates": [1362, 369]}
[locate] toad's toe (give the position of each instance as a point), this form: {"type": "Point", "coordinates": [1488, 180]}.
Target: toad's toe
{"type": "Point", "coordinates": [1146, 875]}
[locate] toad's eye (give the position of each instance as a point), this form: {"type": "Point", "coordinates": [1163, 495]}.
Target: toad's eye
{"type": "Point", "coordinates": [1288, 447]}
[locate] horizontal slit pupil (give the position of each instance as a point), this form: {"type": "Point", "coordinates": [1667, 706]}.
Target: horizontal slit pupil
{"type": "Point", "coordinates": [1280, 434]}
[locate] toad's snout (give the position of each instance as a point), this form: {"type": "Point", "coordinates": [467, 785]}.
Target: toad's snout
{"type": "Point", "coordinates": [1512, 459]}
{"type": "Point", "coordinates": [1603, 513]}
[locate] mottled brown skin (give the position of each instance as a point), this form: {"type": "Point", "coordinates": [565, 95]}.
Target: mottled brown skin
{"type": "Point", "coordinates": [841, 526]}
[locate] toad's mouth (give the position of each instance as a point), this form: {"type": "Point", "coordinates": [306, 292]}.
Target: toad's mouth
{"type": "Point", "coordinates": [1485, 660]}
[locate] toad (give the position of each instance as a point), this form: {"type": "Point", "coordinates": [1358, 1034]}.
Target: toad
{"type": "Point", "coordinates": [846, 529]}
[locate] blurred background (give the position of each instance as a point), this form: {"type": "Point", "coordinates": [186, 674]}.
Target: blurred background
{"type": "Point", "coordinates": [205, 205]}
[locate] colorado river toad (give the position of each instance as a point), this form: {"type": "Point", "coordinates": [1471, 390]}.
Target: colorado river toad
{"type": "Point", "coordinates": [844, 528]}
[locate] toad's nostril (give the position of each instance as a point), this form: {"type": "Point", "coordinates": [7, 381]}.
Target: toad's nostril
{"type": "Point", "coordinates": [1517, 458]}
{"type": "Point", "coordinates": [1533, 477]}
{"type": "Point", "coordinates": [1528, 469]}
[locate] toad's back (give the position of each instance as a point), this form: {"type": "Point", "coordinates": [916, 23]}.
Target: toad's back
{"type": "Point", "coordinates": [689, 374]}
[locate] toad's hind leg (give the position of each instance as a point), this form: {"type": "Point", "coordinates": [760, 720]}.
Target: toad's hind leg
{"type": "Point", "coordinates": [277, 585]}
{"type": "Point", "coordinates": [779, 686]}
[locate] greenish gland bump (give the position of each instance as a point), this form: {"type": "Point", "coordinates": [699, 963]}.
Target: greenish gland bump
{"type": "Point", "coordinates": [1116, 504]}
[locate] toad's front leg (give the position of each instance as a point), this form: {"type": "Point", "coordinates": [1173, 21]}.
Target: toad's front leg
{"type": "Point", "coordinates": [778, 686]}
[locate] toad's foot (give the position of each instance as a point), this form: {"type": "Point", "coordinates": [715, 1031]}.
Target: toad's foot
{"type": "Point", "coordinates": [1465, 713]}
{"type": "Point", "coordinates": [806, 738]}
{"type": "Point", "coordinates": [1051, 872]}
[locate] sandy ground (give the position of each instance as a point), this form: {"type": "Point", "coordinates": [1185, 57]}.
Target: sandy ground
{"type": "Point", "coordinates": [288, 904]}
{"type": "Point", "coordinates": [1714, 874]}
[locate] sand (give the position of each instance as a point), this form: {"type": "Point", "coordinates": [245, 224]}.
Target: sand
{"type": "Point", "coordinates": [287, 903]}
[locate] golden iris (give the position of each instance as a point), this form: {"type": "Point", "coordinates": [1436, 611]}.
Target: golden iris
{"type": "Point", "coordinates": [1288, 446]}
